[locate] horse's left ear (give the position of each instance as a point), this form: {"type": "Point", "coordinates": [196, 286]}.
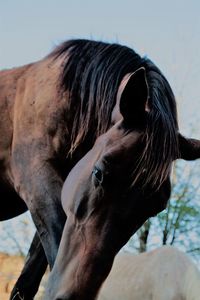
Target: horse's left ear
{"type": "Point", "coordinates": [189, 149]}
{"type": "Point", "coordinates": [134, 98]}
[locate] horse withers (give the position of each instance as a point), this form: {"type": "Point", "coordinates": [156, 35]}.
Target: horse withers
{"type": "Point", "coordinates": [107, 115]}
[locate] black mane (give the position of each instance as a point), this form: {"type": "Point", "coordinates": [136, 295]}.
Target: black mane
{"type": "Point", "coordinates": [92, 74]}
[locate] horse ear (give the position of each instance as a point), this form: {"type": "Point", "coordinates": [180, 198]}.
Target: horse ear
{"type": "Point", "coordinates": [189, 149]}
{"type": "Point", "coordinates": [134, 98]}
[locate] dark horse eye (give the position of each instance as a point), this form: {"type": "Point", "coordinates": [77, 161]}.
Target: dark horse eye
{"type": "Point", "coordinates": [98, 174]}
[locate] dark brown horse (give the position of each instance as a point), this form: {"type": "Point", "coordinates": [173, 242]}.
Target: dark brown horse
{"type": "Point", "coordinates": [111, 114]}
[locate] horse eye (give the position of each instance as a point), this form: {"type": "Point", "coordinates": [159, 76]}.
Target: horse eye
{"type": "Point", "coordinates": [98, 174]}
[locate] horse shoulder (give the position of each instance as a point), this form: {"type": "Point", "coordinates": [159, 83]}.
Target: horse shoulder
{"type": "Point", "coordinates": [39, 107]}
{"type": "Point", "coordinates": [8, 87]}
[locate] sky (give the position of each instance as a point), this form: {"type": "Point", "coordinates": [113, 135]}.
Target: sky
{"type": "Point", "coordinates": [168, 32]}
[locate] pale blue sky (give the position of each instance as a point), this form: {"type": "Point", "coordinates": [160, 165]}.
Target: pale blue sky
{"type": "Point", "coordinates": [166, 31]}
{"type": "Point", "coordinates": [29, 29]}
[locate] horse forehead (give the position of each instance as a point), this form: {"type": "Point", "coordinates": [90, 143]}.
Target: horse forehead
{"type": "Point", "coordinates": [117, 145]}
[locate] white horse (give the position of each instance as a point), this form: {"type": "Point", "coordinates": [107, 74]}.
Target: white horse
{"type": "Point", "coordinates": [162, 274]}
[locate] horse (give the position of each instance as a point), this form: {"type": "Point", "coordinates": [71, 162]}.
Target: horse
{"type": "Point", "coordinates": [88, 136]}
{"type": "Point", "coordinates": [165, 273]}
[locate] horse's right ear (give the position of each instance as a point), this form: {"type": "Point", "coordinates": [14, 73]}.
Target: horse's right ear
{"type": "Point", "coordinates": [134, 98]}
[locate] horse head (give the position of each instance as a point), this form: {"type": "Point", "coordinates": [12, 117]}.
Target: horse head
{"type": "Point", "coordinates": [121, 182]}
